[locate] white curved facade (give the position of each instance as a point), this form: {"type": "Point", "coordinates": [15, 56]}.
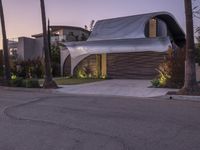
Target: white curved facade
{"type": "Point", "coordinates": [125, 34]}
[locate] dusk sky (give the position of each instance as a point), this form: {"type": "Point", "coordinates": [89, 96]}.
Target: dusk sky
{"type": "Point", "coordinates": [23, 16]}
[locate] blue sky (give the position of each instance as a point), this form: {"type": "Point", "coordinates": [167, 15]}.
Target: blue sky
{"type": "Point", "coordinates": [23, 16]}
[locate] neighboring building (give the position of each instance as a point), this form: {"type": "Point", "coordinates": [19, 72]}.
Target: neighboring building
{"type": "Point", "coordinates": [66, 34]}
{"type": "Point", "coordinates": [25, 48]}
{"type": "Point", "coordinates": [125, 47]}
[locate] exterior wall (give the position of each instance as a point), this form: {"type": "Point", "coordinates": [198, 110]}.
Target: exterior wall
{"type": "Point", "coordinates": [39, 48]}
{"type": "Point", "coordinates": [156, 28]}
{"type": "Point", "coordinates": [20, 48]}
{"type": "Point", "coordinates": [152, 28]}
{"type": "Point", "coordinates": [64, 53]}
{"type": "Point", "coordinates": [67, 66]}
{"type": "Point", "coordinates": [126, 65]}
{"type": "Point", "coordinates": [198, 72]}
{"type": "Point", "coordinates": [29, 48]}
{"type": "Point", "coordinates": [139, 65]}
{"type": "Point", "coordinates": [64, 34]}
{"type": "Point", "coordinates": [90, 62]}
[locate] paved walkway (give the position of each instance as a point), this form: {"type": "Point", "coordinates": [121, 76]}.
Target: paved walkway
{"type": "Point", "coordinates": [132, 88]}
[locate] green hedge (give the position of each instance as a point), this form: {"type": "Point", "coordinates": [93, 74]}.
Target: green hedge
{"type": "Point", "coordinates": [17, 82]}
{"type": "Point", "coordinates": [28, 83]}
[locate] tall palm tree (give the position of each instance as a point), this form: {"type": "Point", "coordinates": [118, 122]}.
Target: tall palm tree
{"type": "Point", "coordinates": [190, 86]}
{"type": "Point", "coordinates": [48, 83]}
{"type": "Point", "coordinates": [5, 46]}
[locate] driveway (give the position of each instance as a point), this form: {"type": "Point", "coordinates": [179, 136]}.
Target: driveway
{"type": "Point", "coordinates": [131, 88]}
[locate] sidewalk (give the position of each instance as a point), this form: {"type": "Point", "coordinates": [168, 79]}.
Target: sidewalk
{"type": "Point", "coordinates": [131, 88]}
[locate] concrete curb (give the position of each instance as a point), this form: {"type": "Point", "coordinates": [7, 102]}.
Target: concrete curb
{"type": "Point", "coordinates": [182, 97]}
{"type": "Point", "coordinates": [26, 89]}
{"type": "Point", "coordinates": [166, 97]}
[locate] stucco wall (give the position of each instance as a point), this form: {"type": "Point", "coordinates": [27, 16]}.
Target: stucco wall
{"type": "Point", "coordinates": [20, 48]}
{"type": "Point", "coordinates": [29, 48]}
{"type": "Point", "coordinates": [64, 53]}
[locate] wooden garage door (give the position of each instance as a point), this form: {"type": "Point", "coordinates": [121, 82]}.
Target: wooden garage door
{"type": "Point", "coordinates": [133, 65]}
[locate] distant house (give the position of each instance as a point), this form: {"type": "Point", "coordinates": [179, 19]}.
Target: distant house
{"type": "Point", "coordinates": [125, 47]}
{"type": "Point", "coordinates": [25, 48]}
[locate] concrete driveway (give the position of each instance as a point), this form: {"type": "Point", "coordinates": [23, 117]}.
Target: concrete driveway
{"type": "Point", "coordinates": [132, 88]}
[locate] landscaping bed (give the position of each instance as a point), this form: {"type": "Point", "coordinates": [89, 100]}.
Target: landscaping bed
{"type": "Point", "coordinates": [72, 81]}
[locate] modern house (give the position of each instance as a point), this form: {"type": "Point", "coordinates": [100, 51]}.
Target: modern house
{"type": "Point", "coordinates": [25, 48]}
{"type": "Point", "coordinates": [124, 47]}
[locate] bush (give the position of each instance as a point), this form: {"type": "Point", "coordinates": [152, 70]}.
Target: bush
{"type": "Point", "coordinates": [84, 72]}
{"type": "Point", "coordinates": [155, 83]}
{"type": "Point", "coordinates": [17, 82]}
{"type": "Point", "coordinates": [28, 83]}
{"type": "Point", "coordinates": [28, 68]}
{"type": "Point", "coordinates": [55, 60]}
{"type": "Point", "coordinates": [171, 71]}
{"type": "Point", "coordinates": [31, 83]}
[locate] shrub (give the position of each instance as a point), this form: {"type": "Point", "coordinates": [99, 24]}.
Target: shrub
{"type": "Point", "coordinates": [171, 71]}
{"type": "Point", "coordinates": [28, 68]}
{"type": "Point", "coordinates": [55, 60]}
{"type": "Point", "coordinates": [155, 83]}
{"type": "Point", "coordinates": [81, 74]}
{"type": "Point", "coordinates": [28, 83]}
{"type": "Point", "coordinates": [31, 83]}
{"type": "Point", "coordinates": [16, 82]}
{"type": "Point", "coordinates": [85, 72]}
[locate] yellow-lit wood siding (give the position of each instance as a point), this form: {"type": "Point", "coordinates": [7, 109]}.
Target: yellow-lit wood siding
{"type": "Point", "coordinates": [152, 28]}
{"type": "Point", "coordinates": [104, 65]}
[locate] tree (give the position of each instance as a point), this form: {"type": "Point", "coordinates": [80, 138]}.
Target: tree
{"type": "Point", "coordinates": [48, 82]}
{"type": "Point", "coordinates": [190, 85]}
{"type": "Point", "coordinates": [5, 46]}
{"type": "Point", "coordinates": [92, 25]}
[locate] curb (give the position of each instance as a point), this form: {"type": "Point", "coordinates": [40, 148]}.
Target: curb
{"type": "Point", "coordinates": [182, 97]}
{"type": "Point", "coordinates": [25, 89]}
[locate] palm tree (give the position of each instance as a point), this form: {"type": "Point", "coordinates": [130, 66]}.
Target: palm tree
{"type": "Point", "coordinates": [190, 85]}
{"type": "Point", "coordinates": [5, 46]}
{"type": "Point", "coordinates": [48, 83]}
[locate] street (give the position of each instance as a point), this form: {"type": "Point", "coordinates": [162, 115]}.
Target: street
{"type": "Point", "coordinates": [52, 121]}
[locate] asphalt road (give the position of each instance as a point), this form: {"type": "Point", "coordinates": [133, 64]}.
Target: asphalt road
{"type": "Point", "coordinates": [47, 121]}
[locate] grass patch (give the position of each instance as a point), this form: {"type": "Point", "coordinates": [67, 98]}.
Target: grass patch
{"type": "Point", "coordinates": [72, 81]}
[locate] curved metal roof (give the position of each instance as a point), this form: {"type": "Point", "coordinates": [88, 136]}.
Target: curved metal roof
{"type": "Point", "coordinates": [134, 27]}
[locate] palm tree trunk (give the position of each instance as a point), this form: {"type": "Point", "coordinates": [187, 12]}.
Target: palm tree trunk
{"type": "Point", "coordinates": [5, 46]}
{"type": "Point", "coordinates": [48, 83]}
{"type": "Point", "coordinates": [190, 86]}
